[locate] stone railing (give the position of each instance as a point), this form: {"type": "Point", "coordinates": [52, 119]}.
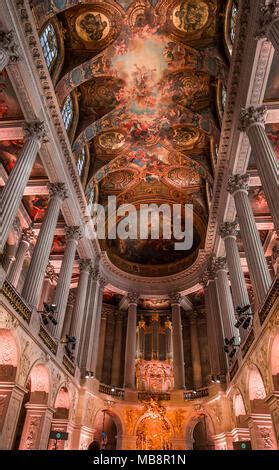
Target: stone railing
{"type": "Point", "coordinates": [48, 340]}
{"type": "Point", "coordinates": [16, 301]}
{"type": "Point", "coordinates": [269, 301]}
{"type": "Point", "coordinates": [69, 365]}
{"type": "Point", "coordinates": [114, 392]}
{"type": "Point", "coordinates": [164, 396]}
{"type": "Point", "coordinates": [194, 394]}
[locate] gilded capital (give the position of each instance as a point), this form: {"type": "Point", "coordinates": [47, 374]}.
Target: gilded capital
{"type": "Point", "coordinates": [238, 183]}
{"type": "Point", "coordinates": [57, 190]}
{"type": "Point", "coordinates": [220, 264]}
{"type": "Point", "coordinates": [175, 298]}
{"type": "Point", "coordinates": [85, 265]}
{"type": "Point", "coordinates": [228, 229]}
{"type": "Point", "coordinates": [251, 116]}
{"type": "Point", "coordinates": [133, 298]}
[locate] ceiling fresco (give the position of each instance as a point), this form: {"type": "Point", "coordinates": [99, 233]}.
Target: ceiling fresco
{"type": "Point", "coordinates": [146, 75]}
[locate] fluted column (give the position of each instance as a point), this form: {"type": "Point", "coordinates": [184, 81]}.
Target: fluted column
{"type": "Point", "coordinates": [73, 234]}
{"type": "Point", "coordinates": [33, 284]}
{"type": "Point", "coordinates": [177, 341]}
{"type": "Point", "coordinates": [155, 336]}
{"type": "Point", "coordinates": [269, 24]}
{"type": "Point", "coordinates": [9, 52]}
{"type": "Point", "coordinates": [228, 232]}
{"type": "Point", "coordinates": [258, 269]}
{"type": "Point", "coordinates": [68, 314]}
{"type": "Point", "coordinates": [252, 121]}
{"type": "Point", "coordinates": [168, 329]}
{"type": "Point", "coordinates": [24, 244]}
{"type": "Point", "coordinates": [78, 313]}
{"type": "Point", "coordinates": [49, 283]}
{"type": "Point", "coordinates": [11, 195]}
{"type": "Point", "coordinates": [130, 352]}
{"type": "Point", "coordinates": [141, 336]}
{"type": "Point", "coordinates": [10, 249]}
{"type": "Point", "coordinates": [195, 351]}
{"type": "Point", "coordinates": [97, 324]}
{"type": "Point", "coordinates": [101, 349]}
{"type": "Point", "coordinates": [117, 348]}
{"type": "Point", "coordinates": [225, 298]}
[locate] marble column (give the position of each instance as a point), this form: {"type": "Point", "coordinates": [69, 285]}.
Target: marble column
{"type": "Point", "coordinates": [177, 341]}
{"type": "Point", "coordinates": [130, 351]}
{"type": "Point", "coordinates": [68, 314]}
{"type": "Point", "coordinates": [252, 121]}
{"type": "Point", "coordinates": [33, 283]}
{"type": "Point", "coordinates": [73, 234]}
{"type": "Point", "coordinates": [9, 51]}
{"type": "Point", "coordinates": [91, 308]}
{"type": "Point", "coordinates": [195, 351]}
{"type": "Point", "coordinates": [262, 432]}
{"type": "Point", "coordinates": [11, 400]}
{"type": "Point", "coordinates": [155, 336]}
{"type": "Point", "coordinates": [168, 329]}
{"type": "Point", "coordinates": [214, 327]}
{"type": "Point", "coordinates": [49, 283]}
{"type": "Point", "coordinates": [117, 349]}
{"type": "Point", "coordinates": [36, 428]}
{"type": "Point", "coordinates": [141, 337]}
{"type": "Point", "coordinates": [23, 247]}
{"type": "Point", "coordinates": [12, 193]}
{"type": "Point", "coordinates": [258, 269]}
{"type": "Point", "coordinates": [96, 332]}
{"type": "Point", "coordinates": [228, 232]}
{"type": "Point", "coordinates": [101, 349]}
{"type": "Point", "coordinates": [10, 248]}
{"type": "Point", "coordinates": [78, 313]}
{"type": "Point", "coordinates": [269, 24]}
{"type": "Point", "coordinates": [225, 298]}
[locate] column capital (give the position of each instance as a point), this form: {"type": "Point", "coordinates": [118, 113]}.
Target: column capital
{"type": "Point", "coordinates": [175, 298]}
{"type": "Point", "coordinates": [268, 14]}
{"type": "Point", "coordinates": [238, 183]}
{"type": "Point", "coordinates": [220, 264]}
{"type": "Point", "coordinates": [17, 226]}
{"type": "Point", "coordinates": [57, 190]}
{"type": "Point", "coordinates": [85, 265]}
{"type": "Point", "coordinates": [132, 298]}
{"type": "Point", "coordinates": [193, 316]}
{"type": "Point", "coordinates": [50, 273]}
{"type": "Point", "coordinates": [28, 234]}
{"type": "Point", "coordinates": [251, 116]}
{"type": "Point", "coordinates": [228, 229]}
{"type": "Point", "coordinates": [71, 298]}
{"type": "Point", "coordinates": [9, 49]}
{"type": "Point", "coordinates": [102, 281]}
{"type": "Point", "coordinates": [35, 130]}
{"type": "Point", "coordinates": [73, 232]}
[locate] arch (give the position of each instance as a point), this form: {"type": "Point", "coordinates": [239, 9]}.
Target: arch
{"type": "Point", "coordinates": [113, 440]}
{"type": "Point", "coordinates": [231, 14]}
{"type": "Point", "coordinates": [274, 362]}
{"type": "Point", "coordinates": [193, 423]}
{"type": "Point", "coordinates": [161, 426]}
{"type": "Point", "coordinates": [38, 380]}
{"type": "Point", "coordinates": [8, 356]}
{"type": "Point", "coordinates": [256, 386]}
{"type": "Point", "coordinates": [62, 403]}
{"type": "Point", "coordinates": [238, 405]}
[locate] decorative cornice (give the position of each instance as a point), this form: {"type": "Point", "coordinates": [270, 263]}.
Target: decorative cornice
{"type": "Point", "coordinates": [73, 233]}
{"type": "Point", "coordinates": [35, 130]}
{"type": "Point", "coordinates": [57, 190]}
{"type": "Point", "coordinates": [175, 298]}
{"type": "Point", "coordinates": [251, 116]}
{"type": "Point", "coordinates": [9, 49]}
{"type": "Point", "coordinates": [238, 183]}
{"type": "Point", "coordinates": [228, 229]}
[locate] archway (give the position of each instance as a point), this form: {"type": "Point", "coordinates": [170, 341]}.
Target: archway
{"type": "Point", "coordinates": [106, 430]}
{"type": "Point", "coordinates": [275, 362]}
{"type": "Point", "coordinates": [153, 433]}
{"type": "Point", "coordinates": [256, 388]}
{"type": "Point", "coordinates": [60, 420]}
{"type": "Point", "coordinates": [202, 434]}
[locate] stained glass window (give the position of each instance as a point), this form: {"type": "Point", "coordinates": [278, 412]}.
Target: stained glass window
{"type": "Point", "coordinates": [224, 96]}
{"type": "Point", "coordinates": [67, 112]}
{"type": "Point", "coordinates": [233, 21]}
{"type": "Point", "coordinates": [49, 44]}
{"type": "Point", "coordinates": [81, 161]}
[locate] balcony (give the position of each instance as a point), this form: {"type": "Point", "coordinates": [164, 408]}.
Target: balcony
{"type": "Point", "coordinates": [16, 301]}
{"type": "Point", "coordinates": [269, 301]}
{"type": "Point", "coordinates": [195, 394]}
{"type": "Point", "coordinates": [112, 391]}
{"type": "Point", "coordinates": [164, 396]}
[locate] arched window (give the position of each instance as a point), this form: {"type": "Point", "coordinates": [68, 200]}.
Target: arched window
{"type": "Point", "coordinates": [67, 112]}
{"type": "Point", "coordinates": [48, 42]}
{"type": "Point", "coordinates": [233, 21]}
{"type": "Point", "coordinates": [224, 96]}
{"type": "Point", "coordinates": [81, 162]}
